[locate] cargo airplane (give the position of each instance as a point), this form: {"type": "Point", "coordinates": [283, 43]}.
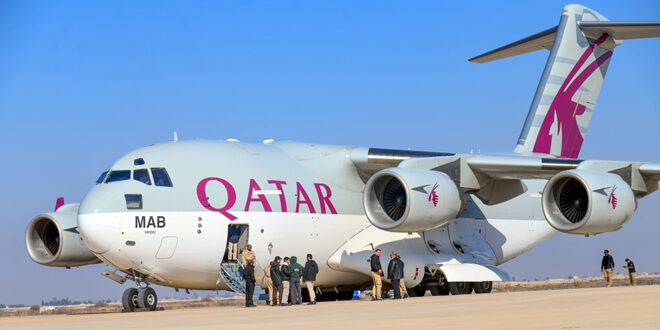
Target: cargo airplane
{"type": "Point", "coordinates": [160, 214]}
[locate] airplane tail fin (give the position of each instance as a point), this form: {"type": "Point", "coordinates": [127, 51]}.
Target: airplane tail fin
{"type": "Point", "coordinates": [580, 50]}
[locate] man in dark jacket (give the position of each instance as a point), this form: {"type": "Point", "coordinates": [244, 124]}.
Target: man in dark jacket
{"type": "Point", "coordinates": [395, 273]}
{"type": "Point", "coordinates": [250, 282]}
{"type": "Point", "coordinates": [630, 266]}
{"type": "Point", "coordinates": [286, 273]}
{"type": "Point", "coordinates": [276, 278]}
{"type": "Point", "coordinates": [402, 284]}
{"type": "Point", "coordinates": [309, 276]}
{"type": "Point", "coordinates": [296, 273]}
{"type": "Point", "coordinates": [232, 242]}
{"type": "Point", "coordinates": [376, 273]}
{"type": "Point", "coordinates": [607, 266]}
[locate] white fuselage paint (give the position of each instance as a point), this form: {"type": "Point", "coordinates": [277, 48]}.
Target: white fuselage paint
{"type": "Point", "coordinates": [184, 244]}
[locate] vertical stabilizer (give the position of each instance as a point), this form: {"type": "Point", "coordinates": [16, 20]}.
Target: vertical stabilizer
{"type": "Point", "coordinates": [567, 93]}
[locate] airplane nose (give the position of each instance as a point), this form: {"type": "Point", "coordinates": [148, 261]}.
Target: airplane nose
{"type": "Point", "coordinates": [97, 219]}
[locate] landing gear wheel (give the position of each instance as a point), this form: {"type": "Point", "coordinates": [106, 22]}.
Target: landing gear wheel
{"type": "Point", "coordinates": [460, 287]}
{"type": "Point", "coordinates": [147, 299]}
{"type": "Point", "coordinates": [483, 287]}
{"type": "Point", "coordinates": [417, 291]}
{"type": "Point", "coordinates": [129, 299]}
{"type": "Point", "coordinates": [439, 291]}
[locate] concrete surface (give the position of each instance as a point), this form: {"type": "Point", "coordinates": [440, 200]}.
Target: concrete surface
{"type": "Point", "coordinates": [591, 308]}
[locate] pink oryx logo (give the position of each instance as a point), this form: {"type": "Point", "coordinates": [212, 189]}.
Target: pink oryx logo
{"type": "Point", "coordinates": [560, 121]}
{"type": "Point", "coordinates": [612, 199]}
{"type": "Point", "coordinates": [433, 196]}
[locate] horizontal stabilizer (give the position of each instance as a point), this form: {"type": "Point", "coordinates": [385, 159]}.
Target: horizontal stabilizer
{"type": "Point", "coordinates": [622, 30]}
{"type": "Point", "coordinates": [592, 29]}
{"type": "Point", "coordinates": [541, 40]}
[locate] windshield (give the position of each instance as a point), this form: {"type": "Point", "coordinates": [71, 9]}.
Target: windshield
{"type": "Point", "coordinates": [142, 175]}
{"type": "Point", "coordinates": [118, 176]}
{"type": "Point", "coordinates": [161, 178]}
{"type": "Point", "coordinates": [102, 177]}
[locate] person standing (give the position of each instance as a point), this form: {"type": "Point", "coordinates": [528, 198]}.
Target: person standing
{"type": "Point", "coordinates": [296, 273]}
{"type": "Point", "coordinates": [233, 236]}
{"type": "Point", "coordinates": [276, 277]}
{"type": "Point", "coordinates": [376, 273]}
{"type": "Point", "coordinates": [250, 282]}
{"type": "Point", "coordinates": [309, 276]}
{"type": "Point", "coordinates": [402, 284]}
{"type": "Point", "coordinates": [631, 271]}
{"type": "Point", "coordinates": [248, 254]}
{"type": "Point", "coordinates": [269, 284]}
{"type": "Point", "coordinates": [607, 266]}
{"type": "Point", "coordinates": [286, 273]}
{"type": "Point", "coordinates": [395, 273]}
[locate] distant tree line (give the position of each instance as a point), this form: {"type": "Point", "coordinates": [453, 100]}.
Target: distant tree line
{"type": "Point", "coordinates": [67, 301]}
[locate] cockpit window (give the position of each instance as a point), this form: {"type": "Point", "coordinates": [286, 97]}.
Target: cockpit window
{"type": "Point", "coordinates": [102, 177]}
{"type": "Point", "coordinates": [142, 175]}
{"type": "Point", "coordinates": [118, 176]}
{"type": "Point", "coordinates": [160, 177]}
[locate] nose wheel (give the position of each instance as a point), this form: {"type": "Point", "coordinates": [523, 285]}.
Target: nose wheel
{"type": "Point", "coordinates": [141, 299]}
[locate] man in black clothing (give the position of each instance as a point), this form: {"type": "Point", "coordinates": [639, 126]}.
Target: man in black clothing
{"type": "Point", "coordinates": [395, 273]}
{"type": "Point", "coordinates": [607, 266]}
{"type": "Point", "coordinates": [309, 276]}
{"type": "Point", "coordinates": [250, 282]}
{"type": "Point", "coordinates": [276, 277]}
{"type": "Point", "coordinates": [631, 271]}
{"type": "Point", "coordinates": [376, 273]}
{"type": "Point", "coordinates": [286, 278]}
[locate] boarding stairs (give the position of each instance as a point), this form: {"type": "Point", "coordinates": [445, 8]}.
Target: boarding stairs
{"type": "Point", "coordinates": [229, 271]}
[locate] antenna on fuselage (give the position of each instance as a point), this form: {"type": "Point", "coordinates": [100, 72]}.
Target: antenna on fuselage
{"type": "Point", "coordinates": [175, 137]}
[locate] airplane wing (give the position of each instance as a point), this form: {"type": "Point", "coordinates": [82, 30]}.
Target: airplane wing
{"type": "Point", "coordinates": [478, 172]}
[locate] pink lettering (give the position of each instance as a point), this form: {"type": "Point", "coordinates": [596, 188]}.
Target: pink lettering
{"type": "Point", "coordinates": [324, 199]}
{"type": "Point", "coordinates": [300, 192]}
{"type": "Point", "coordinates": [279, 185]}
{"type": "Point", "coordinates": [231, 197]}
{"type": "Point", "coordinates": [260, 197]}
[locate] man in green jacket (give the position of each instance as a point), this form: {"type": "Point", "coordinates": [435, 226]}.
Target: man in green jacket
{"type": "Point", "coordinates": [296, 274]}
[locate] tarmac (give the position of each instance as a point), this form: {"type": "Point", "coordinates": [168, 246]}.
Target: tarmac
{"type": "Point", "coordinates": [590, 308]}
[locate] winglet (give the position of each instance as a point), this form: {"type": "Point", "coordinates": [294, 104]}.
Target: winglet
{"type": "Point", "coordinates": [59, 203]}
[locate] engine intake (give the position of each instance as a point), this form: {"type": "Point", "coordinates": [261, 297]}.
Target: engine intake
{"type": "Point", "coordinates": [585, 202]}
{"type": "Point", "coordinates": [51, 239]}
{"type": "Point", "coordinates": [407, 200]}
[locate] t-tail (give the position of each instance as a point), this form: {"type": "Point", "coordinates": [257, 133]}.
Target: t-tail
{"type": "Point", "coordinates": [581, 47]}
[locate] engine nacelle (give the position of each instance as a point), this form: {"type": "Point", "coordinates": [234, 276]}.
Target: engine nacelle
{"type": "Point", "coordinates": [407, 200]}
{"type": "Point", "coordinates": [585, 202]}
{"type": "Point", "coordinates": [52, 239]}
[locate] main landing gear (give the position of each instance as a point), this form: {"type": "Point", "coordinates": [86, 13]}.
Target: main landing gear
{"type": "Point", "coordinates": [140, 299]}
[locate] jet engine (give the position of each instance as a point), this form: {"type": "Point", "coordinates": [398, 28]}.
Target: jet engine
{"type": "Point", "coordinates": [406, 200]}
{"type": "Point", "coordinates": [584, 202]}
{"type": "Point", "coordinates": [52, 239]}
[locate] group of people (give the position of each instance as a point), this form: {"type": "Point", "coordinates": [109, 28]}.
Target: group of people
{"type": "Point", "coordinates": [607, 267]}
{"type": "Point", "coordinates": [283, 279]}
{"type": "Point", "coordinates": [394, 274]}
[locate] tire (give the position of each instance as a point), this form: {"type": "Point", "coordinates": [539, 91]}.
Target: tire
{"type": "Point", "coordinates": [147, 299]}
{"type": "Point", "coordinates": [417, 291]}
{"type": "Point", "coordinates": [129, 300]}
{"type": "Point", "coordinates": [483, 287]}
{"type": "Point", "coordinates": [460, 288]}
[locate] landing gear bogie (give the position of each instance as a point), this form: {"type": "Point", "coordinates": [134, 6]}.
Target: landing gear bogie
{"type": "Point", "coordinates": [139, 300]}
{"type": "Point", "coordinates": [460, 288]}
